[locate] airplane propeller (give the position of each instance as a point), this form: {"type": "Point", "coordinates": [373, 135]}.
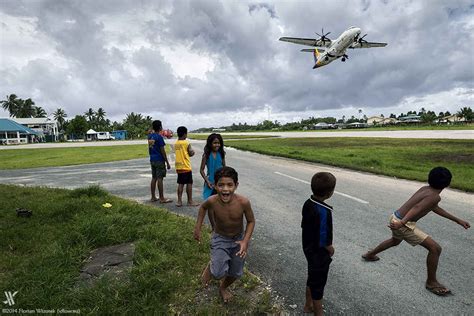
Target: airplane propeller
{"type": "Point", "coordinates": [322, 36]}
{"type": "Point", "coordinates": [362, 40]}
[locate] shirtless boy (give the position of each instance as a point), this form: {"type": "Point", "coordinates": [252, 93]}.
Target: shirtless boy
{"type": "Point", "coordinates": [403, 225]}
{"type": "Point", "coordinates": [229, 242]}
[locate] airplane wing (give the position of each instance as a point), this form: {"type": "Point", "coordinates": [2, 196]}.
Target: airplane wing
{"type": "Point", "coordinates": [364, 44]}
{"type": "Point", "coordinates": [306, 41]}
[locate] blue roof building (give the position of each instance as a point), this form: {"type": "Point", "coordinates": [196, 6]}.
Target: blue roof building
{"type": "Point", "coordinates": [13, 133]}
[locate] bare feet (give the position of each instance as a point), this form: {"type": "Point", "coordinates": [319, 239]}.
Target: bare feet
{"type": "Point", "coordinates": [225, 294]}
{"type": "Point", "coordinates": [179, 204]}
{"type": "Point", "coordinates": [154, 199]}
{"type": "Point", "coordinates": [192, 203]}
{"type": "Point", "coordinates": [206, 275]}
{"type": "Point", "coordinates": [368, 257]}
{"type": "Point", "coordinates": [438, 289]}
{"type": "Point", "coordinates": [308, 309]}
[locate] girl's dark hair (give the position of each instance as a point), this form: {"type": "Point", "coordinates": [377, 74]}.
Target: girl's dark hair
{"type": "Point", "coordinates": [208, 147]}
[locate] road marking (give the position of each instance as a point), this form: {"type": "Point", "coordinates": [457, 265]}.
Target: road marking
{"type": "Point", "coordinates": [336, 192]}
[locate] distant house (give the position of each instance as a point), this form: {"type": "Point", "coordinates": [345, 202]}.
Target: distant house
{"type": "Point", "coordinates": [322, 125]}
{"type": "Point", "coordinates": [120, 134]}
{"type": "Point", "coordinates": [451, 119]}
{"type": "Point", "coordinates": [46, 128]}
{"type": "Point", "coordinates": [412, 118]}
{"type": "Point", "coordinates": [357, 125]}
{"type": "Point", "coordinates": [375, 120]}
{"type": "Point", "coordinates": [12, 132]}
{"type": "Point", "coordinates": [380, 120]}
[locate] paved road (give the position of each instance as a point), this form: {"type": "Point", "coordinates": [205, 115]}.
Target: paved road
{"type": "Point", "coordinates": [277, 189]}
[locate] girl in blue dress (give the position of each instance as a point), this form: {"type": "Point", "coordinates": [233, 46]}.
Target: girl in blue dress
{"type": "Point", "coordinates": [213, 158]}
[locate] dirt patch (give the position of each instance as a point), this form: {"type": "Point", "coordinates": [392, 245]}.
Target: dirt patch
{"type": "Point", "coordinates": [113, 261]}
{"type": "Point", "coordinates": [250, 296]}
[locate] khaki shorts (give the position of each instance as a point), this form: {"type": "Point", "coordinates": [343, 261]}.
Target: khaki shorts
{"type": "Point", "coordinates": [410, 233]}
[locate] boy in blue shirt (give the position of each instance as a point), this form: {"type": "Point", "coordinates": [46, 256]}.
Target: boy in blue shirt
{"type": "Point", "coordinates": [317, 239]}
{"type": "Point", "coordinates": [158, 158]}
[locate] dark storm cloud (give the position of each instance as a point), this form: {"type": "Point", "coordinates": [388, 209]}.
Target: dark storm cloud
{"type": "Point", "coordinates": [113, 54]}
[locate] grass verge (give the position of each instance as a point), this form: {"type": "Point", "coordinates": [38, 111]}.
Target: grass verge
{"type": "Point", "coordinates": [53, 157]}
{"type": "Point", "coordinates": [42, 256]}
{"type": "Point", "coordinates": [403, 158]}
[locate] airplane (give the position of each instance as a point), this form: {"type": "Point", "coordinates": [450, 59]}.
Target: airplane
{"type": "Point", "coordinates": [333, 49]}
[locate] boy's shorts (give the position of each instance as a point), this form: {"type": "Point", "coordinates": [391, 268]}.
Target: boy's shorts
{"type": "Point", "coordinates": [185, 177]}
{"type": "Point", "coordinates": [410, 233]}
{"type": "Point", "coordinates": [224, 261]}
{"type": "Point", "coordinates": [318, 269]}
{"type": "Point", "coordinates": [158, 169]}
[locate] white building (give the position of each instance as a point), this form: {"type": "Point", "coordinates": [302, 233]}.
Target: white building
{"type": "Point", "coordinates": [46, 128]}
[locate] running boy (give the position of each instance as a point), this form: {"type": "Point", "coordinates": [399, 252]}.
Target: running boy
{"type": "Point", "coordinates": [317, 239]}
{"type": "Point", "coordinates": [403, 225]}
{"type": "Point", "coordinates": [183, 152]}
{"type": "Point", "coordinates": [229, 242]}
{"type": "Point", "coordinates": [158, 158]}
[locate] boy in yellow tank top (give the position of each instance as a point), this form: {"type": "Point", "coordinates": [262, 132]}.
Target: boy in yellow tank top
{"type": "Point", "coordinates": [184, 152]}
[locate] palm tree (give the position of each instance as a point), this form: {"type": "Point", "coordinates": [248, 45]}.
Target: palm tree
{"type": "Point", "coordinates": [26, 109]}
{"type": "Point", "coordinates": [11, 104]}
{"type": "Point", "coordinates": [59, 116]}
{"type": "Point", "coordinates": [40, 112]}
{"type": "Point", "coordinates": [466, 113]}
{"type": "Point", "coordinates": [100, 114]}
{"type": "Point", "coordinates": [90, 114]}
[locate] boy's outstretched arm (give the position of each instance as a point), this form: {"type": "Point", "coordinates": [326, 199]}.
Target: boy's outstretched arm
{"type": "Point", "coordinates": [438, 210]}
{"type": "Point", "coordinates": [250, 218]}
{"type": "Point", "coordinates": [200, 220]}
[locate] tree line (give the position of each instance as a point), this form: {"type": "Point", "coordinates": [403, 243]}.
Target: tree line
{"type": "Point", "coordinates": [135, 124]}
{"type": "Point", "coordinates": [426, 117]}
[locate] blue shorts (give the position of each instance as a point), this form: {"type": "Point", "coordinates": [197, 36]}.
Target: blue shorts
{"type": "Point", "coordinates": [224, 261]}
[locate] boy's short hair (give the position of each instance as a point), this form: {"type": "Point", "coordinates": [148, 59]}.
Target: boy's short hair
{"type": "Point", "coordinates": [182, 131]}
{"type": "Point", "coordinates": [323, 183]}
{"type": "Point", "coordinates": [439, 178]}
{"type": "Point", "coordinates": [228, 172]}
{"type": "Point", "coordinates": [157, 125]}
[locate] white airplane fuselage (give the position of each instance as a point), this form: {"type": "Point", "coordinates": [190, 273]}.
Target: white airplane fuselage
{"type": "Point", "coordinates": [338, 47]}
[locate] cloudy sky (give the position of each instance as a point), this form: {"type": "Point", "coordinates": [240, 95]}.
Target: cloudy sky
{"type": "Point", "coordinates": [211, 63]}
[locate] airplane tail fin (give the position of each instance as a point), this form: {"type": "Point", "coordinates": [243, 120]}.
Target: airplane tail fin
{"type": "Point", "coordinates": [316, 52]}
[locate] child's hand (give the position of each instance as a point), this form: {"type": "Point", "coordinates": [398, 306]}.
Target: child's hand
{"type": "Point", "coordinates": [243, 248]}
{"type": "Point", "coordinates": [197, 234]}
{"type": "Point", "coordinates": [395, 225]}
{"type": "Point", "coordinates": [464, 224]}
{"type": "Point", "coordinates": [330, 248]}
{"type": "Point", "coordinates": [209, 184]}
{"type": "Point", "coordinates": [168, 165]}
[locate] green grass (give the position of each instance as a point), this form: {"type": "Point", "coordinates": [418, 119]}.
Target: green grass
{"type": "Point", "coordinates": [204, 136]}
{"type": "Point", "coordinates": [51, 157]}
{"type": "Point", "coordinates": [403, 158]}
{"type": "Point", "coordinates": [42, 255]}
